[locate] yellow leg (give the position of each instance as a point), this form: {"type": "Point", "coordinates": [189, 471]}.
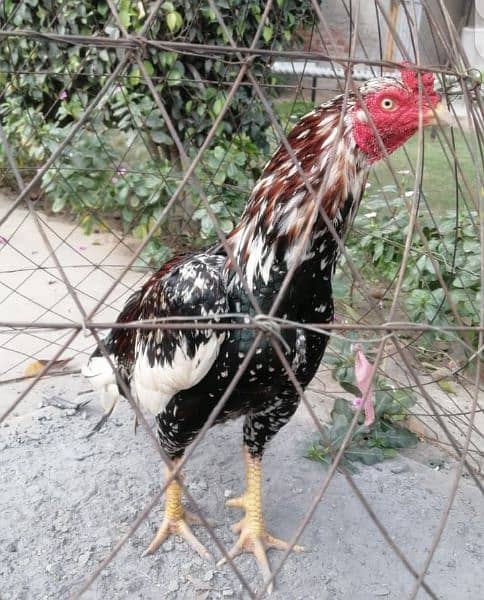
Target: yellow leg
{"type": "Point", "coordinates": [253, 535]}
{"type": "Point", "coordinates": [176, 521]}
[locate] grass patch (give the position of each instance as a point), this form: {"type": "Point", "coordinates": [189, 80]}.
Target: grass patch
{"type": "Point", "coordinates": [439, 183]}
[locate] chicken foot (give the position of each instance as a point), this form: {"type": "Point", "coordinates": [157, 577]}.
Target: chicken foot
{"type": "Point", "coordinates": [254, 537]}
{"type": "Point", "coordinates": [177, 521]}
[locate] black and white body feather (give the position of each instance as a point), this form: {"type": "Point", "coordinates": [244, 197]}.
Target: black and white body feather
{"type": "Point", "coordinates": [158, 363]}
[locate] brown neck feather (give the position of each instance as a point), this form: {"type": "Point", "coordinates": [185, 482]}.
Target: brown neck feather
{"type": "Point", "coordinates": [280, 206]}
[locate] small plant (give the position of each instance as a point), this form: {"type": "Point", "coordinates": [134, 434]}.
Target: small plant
{"type": "Point", "coordinates": [368, 444]}
{"type": "Point", "coordinates": [31, 138]}
{"type": "Point", "coordinates": [376, 248]}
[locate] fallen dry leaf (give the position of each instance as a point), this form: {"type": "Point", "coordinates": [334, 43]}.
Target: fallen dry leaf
{"type": "Point", "coordinates": [35, 367]}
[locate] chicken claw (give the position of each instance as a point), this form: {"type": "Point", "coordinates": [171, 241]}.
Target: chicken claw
{"type": "Point", "coordinates": [177, 521]}
{"type": "Point", "coordinates": [253, 536]}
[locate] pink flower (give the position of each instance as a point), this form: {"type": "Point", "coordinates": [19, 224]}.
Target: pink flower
{"type": "Point", "coordinates": [63, 95]}
{"type": "Point", "coordinates": [364, 381]}
{"type": "Point", "coordinates": [120, 171]}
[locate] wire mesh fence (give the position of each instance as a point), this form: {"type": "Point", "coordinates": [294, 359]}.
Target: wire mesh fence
{"type": "Point", "coordinates": [134, 132]}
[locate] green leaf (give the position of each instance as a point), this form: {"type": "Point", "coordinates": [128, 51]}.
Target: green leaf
{"type": "Point", "coordinates": [217, 106]}
{"type": "Point", "coordinates": [378, 251]}
{"type": "Point", "coordinates": [171, 21]}
{"type": "Point", "coordinates": [398, 437]}
{"type": "Point", "coordinates": [446, 386]}
{"type": "Point", "coordinates": [239, 158]}
{"type": "Point", "coordinates": [155, 121]}
{"type": "Point", "coordinates": [219, 153]}
{"type": "Point", "coordinates": [59, 203]}
{"type": "Point", "coordinates": [367, 456]}
{"type": "Point", "coordinates": [134, 76]}
{"type": "Point", "coordinates": [160, 137]}
{"type": "Point", "coordinates": [219, 178]}
{"type": "Point", "coordinates": [318, 452]}
{"type": "Point", "coordinates": [350, 387]}
{"type": "Point", "coordinates": [343, 407]}
{"type": "Point", "coordinates": [389, 452]}
{"type": "Point", "coordinates": [232, 170]}
{"type": "Point", "coordinates": [149, 67]}
{"type": "Point", "coordinates": [174, 21]}
{"type": "Point", "coordinates": [127, 215]}
{"type": "Point", "coordinates": [124, 13]}
{"type": "Point", "coordinates": [267, 33]}
{"type": "Point", "coordinates": [338, 429]}
{"type": "Point", "coordinates": [226, 225]}
{"type": "Point", "coordinates": [174, 77]}
{"type": "Point", "coordinates": [140, 231]}
{"type": "Point", "coordinates": [87, 224]}
{"type": "Point", "coordinates": [122, 195]}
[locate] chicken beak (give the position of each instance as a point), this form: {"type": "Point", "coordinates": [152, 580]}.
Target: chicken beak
{"type": "Point", "coordinates": [439, 115]}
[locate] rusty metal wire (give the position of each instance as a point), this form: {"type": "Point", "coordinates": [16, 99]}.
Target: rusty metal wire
{"type": "Point", "coordinates": [384, 327]}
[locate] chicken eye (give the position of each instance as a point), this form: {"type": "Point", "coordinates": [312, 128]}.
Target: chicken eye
{"type": "Point", "coordinates": [387, 104]}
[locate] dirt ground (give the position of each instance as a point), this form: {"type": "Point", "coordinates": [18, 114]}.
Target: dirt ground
{"type": "Point", "coordinates": [66, 500]}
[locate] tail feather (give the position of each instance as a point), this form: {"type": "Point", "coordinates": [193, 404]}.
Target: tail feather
{"type": "Point", "coordinates": [101, 375]}
{"type": "Point", "coordinates": [119, 343]}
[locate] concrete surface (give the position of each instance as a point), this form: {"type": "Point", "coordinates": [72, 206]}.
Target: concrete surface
{"type": "Point", "coordinates": [66, 501]}
{"type": "Point", "coordinates": [32, 288]}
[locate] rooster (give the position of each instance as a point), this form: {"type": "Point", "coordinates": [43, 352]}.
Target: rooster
{"type": "Point", "coordinates": [180, 375]}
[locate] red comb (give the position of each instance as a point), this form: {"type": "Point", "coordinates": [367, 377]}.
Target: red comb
{"type": "Point", "coordinates": [410, 79]}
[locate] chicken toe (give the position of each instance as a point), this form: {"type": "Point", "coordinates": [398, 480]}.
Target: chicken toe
{"type": "Point", "coordinates": [253, 536]}
{"type": "Point", "coordinates": [177, 521]}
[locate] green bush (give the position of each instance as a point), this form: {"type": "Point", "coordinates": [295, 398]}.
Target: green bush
{"type": "Point", "coordinates": [49, 85]}
{"type": "Point", "coordinates": [84, 184]}
{"type": "Point", "coordinates": [376, 245]}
